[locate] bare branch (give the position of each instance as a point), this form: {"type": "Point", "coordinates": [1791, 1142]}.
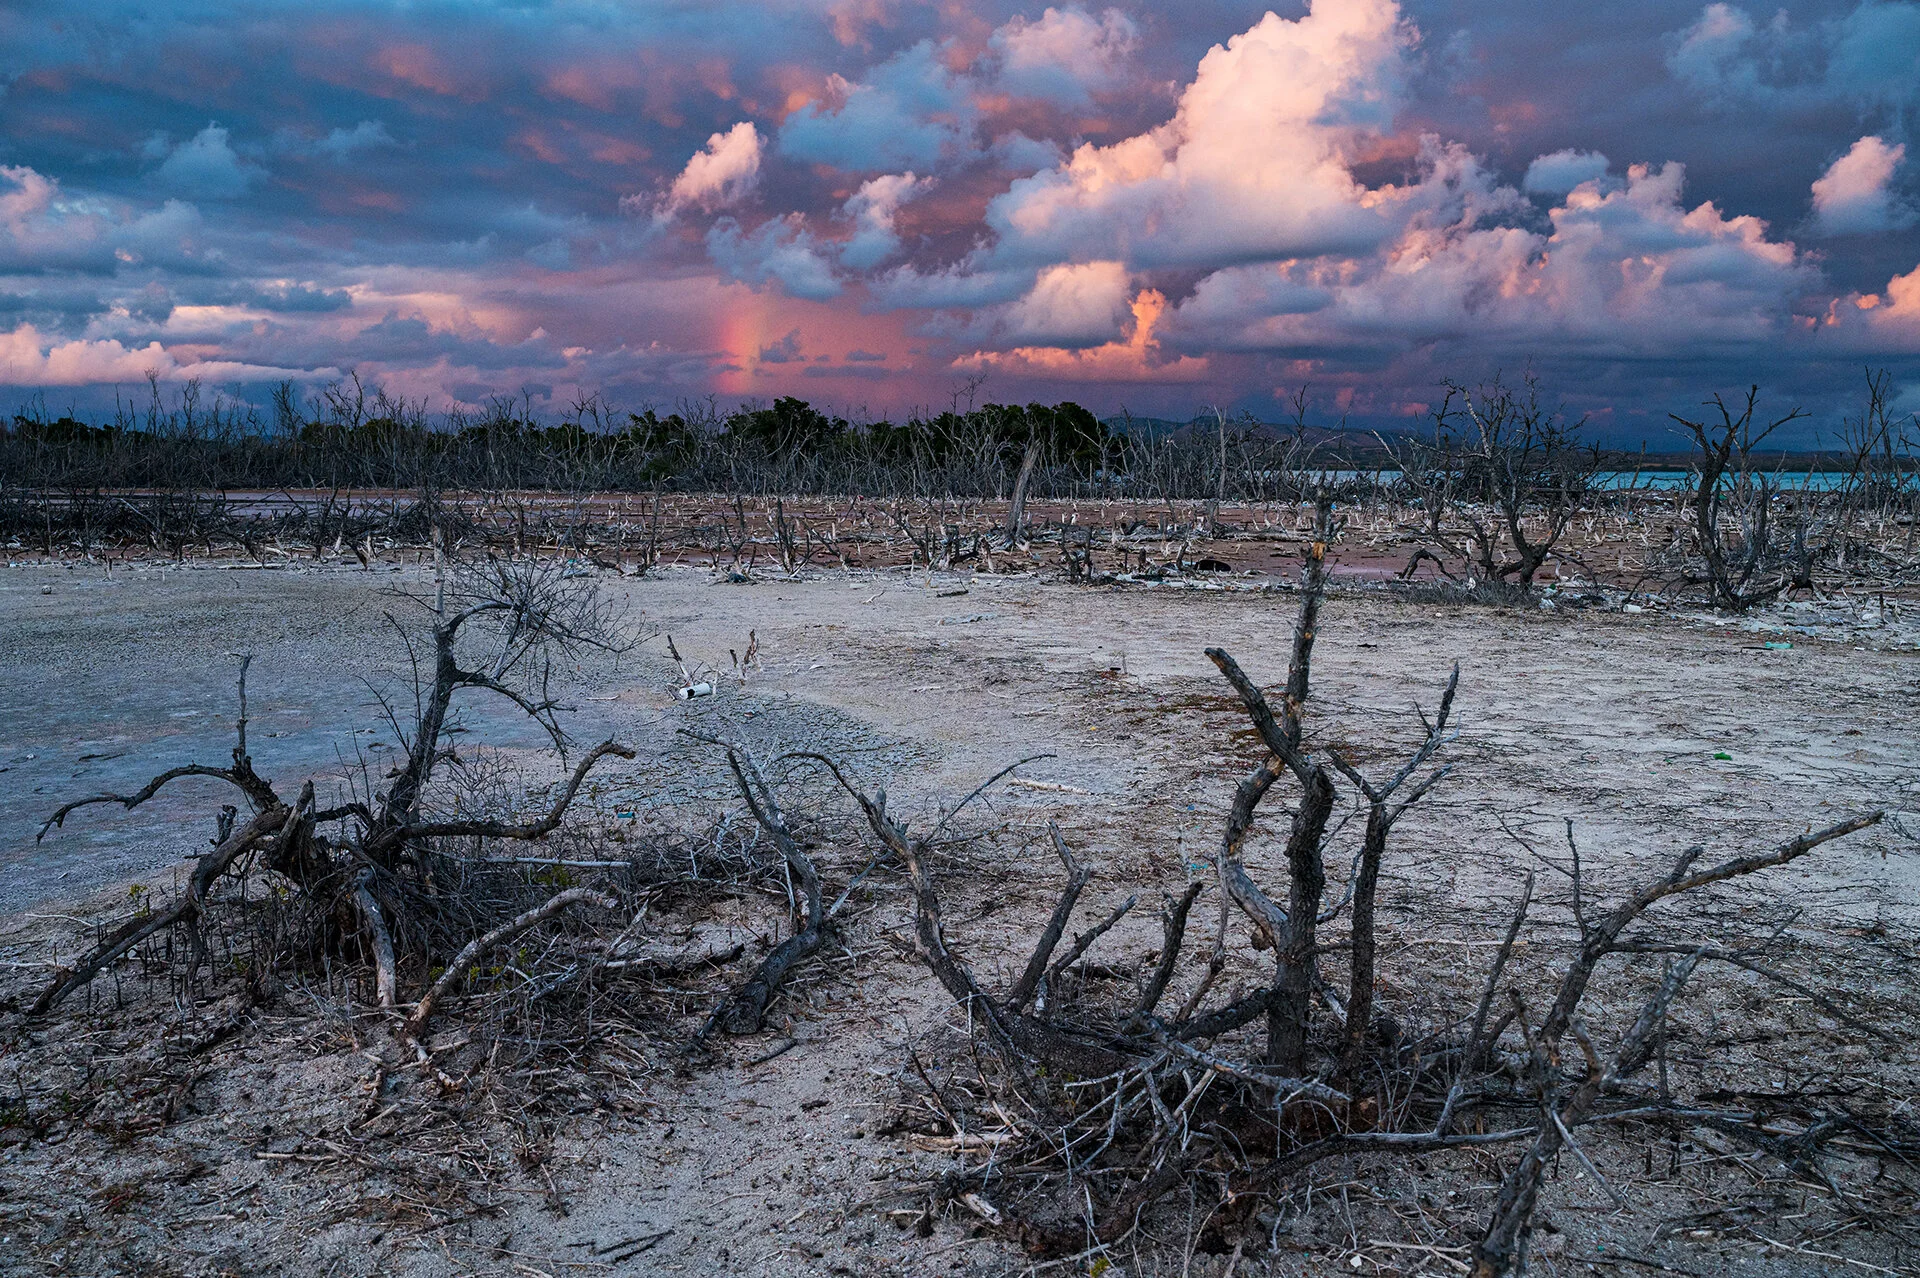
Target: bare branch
{"type": "Point", "coordinates": [535, 830]}
{"type": "Point", "coordinates": [255, 790]}
{"type": "Point", "coordinates": [1077, 875]}
{"type": "Point", "coordinates": [477, 949]}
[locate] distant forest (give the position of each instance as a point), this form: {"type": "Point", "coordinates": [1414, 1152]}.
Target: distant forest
{"type": "Point", "coordinates": [355, 436]}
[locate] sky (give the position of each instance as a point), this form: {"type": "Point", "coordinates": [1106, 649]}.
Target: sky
{"type": "Point", "coordinates": [885, 206]}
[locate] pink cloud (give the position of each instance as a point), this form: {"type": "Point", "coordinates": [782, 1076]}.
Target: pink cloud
{"type": "Point", "coordinates": [1135, 358]}
{"type": "Point", "coordinates": [1854, 196]}
{"type": "Point", "coordinates": [719, 177]}
{"type": "Point", "coordinates": [28, 359]}
{"type": "Point", "coordinates": [1253, 163]}
{"type": "Point", "coordinates": [1066, 54]}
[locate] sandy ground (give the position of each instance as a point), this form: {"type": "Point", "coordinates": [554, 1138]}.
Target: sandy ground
{"type": "Point", "coordinates": [1650, 732]}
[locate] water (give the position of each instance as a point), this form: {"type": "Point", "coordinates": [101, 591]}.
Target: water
{"type": "Point", "coordinates": [1819, 481]}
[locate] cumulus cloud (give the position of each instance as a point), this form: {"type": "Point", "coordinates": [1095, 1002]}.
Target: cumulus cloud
{"type": "Point", "coordinates": [960, 286]}
{"type": "Point", "coordinates": [1069, 306]}
{"type": "Point", "coordinates": [1134, 358]}
{"type": "Point", "coordinates": [780, 250]}
{"type": "Point", "coordinates": [1855, 195]}
{"type": "Point", "coordinates": [1018, 153]}
{"type": "Point", "coordinates": [1255, 162]}
{"type": "Point", "coordinates": [206, 167]}
{"type": "Point", "coordinates": [1561, 172]}
{"type": "Point", "coordinates": [1869, 57]}
{"type": "Point", "coordinates": [784, 351]}
{"type": "Point", "coordinates": [719, 177]}
{"type": "Point", "coordinates": [1875, 54]}
{"type": "Point", "coordinates": [41, 231]}
{"type": "Point", "coordinates": [872, 209]}
{"type": "Point", "coordinates": [341, 145]}
{"type": "Point", "coordinates": [45, 228]}
{"type": "Point", "coordinates": [1018, 184]}
{"type": "Point", "coordinates": [1712, 55]}
{"type": "Point", "coordinates": [1897, 310]}
{"type": "Point", "coordinates": [285, 296]}
{"type": "Point", "coordinates": [1066, 55]}
{"type": "Point", "coordinates": [412, 339]}
{"type": "Point", "coordinates": [1249, 192]}
{"type": "Point", "coordinates": [910, 112]}
{"type": "Point", "coordinates": [1626, 270]}
{"type": "Point", "coordinates": [29, 359]}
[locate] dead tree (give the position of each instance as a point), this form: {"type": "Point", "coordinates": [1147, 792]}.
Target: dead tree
{"type": "Point", "coordinates": [1383, 812]}
{"type": "Point", "coordinates": [496, 628]}
{"type": "Point", "coordinates": [1498, 459]}
{"type": "Point", "coordinates": [1016, 529]}
{"type": "Point", "coordinates": [1115, 1089]}
{"type": "Point", "coordinates": [1747, 560]}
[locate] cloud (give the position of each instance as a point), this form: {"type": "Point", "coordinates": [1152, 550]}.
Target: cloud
{"type": "Point", "coordinates": [1855, 197]}
{"type": "Point", "coordinates": [865, 372]}
{"type": "Point", "coordinates": [1069, 306]}
{"type": "Point", "coordinates": [1627, 270]}
{"type": "Point", "coordinates": [1711, 55]}
{"type": "Point", "coordinates": [412, 339]}
{"type": "Point", "coordinates": [1248, 200]}
{"type": "Point", "coordinates": [341, 145]}
{"type": "Point", "coordinates": [42, 230]}
{"type": "Point", "coordinates": [1134, 358]}
{"type": "Point", "coordinates": [719, 177]}
{"type": "Point", "coordinates": [28, 359]}
{"type": "Point", "coordinates": [780, 249]}
{"type": "Point", "coordinates": [872, 209]}
{"type": "Point", "coordinates": [1875, 54]}
{"type": "Point", "coordinates": [1868, 57]}
{"type": "Point", "coordinates": [1561, 172]}
{"type": "Point", "coordinates": [206, 167]}
{"type": "Point", "coordinates": [1254, 163]}
{"type": "Point", "coordinates": [172, 236]}
{"type": "Point", "coordinates": [45, 229]}
{"type": "Point", "coordinates": [1875, 322]}
{"type": "Point", "coordinates": [951, 182]}
{"type": "Point", "coordinates": [1018, 153]}
{"type": "Point", "coordinates": [958, 286]}
{"type": "Point", "coordinates": [277, 296]}
{"type": "Point", "coordinates": [911, 112]}
{"type": "Point", "coordinates": [1237, 308]}
{"type": "Point", "coordinates": [1065, 56]}
{"type": "Point", "coordinates": [784, 351]}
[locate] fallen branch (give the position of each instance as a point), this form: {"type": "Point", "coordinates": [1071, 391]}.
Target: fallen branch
{"type": "Point", "coordinates": [187, 909]}
{"type": "Point", "coordinates": [478, 948]}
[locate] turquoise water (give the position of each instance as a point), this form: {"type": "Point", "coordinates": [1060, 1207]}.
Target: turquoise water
{"type": "Point", "coordinates": [1660, 480]}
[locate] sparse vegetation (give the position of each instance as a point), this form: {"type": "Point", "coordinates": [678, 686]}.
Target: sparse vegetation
{"type": "Point", "coordinates": [1501, 494]}
{"type": "Point", "coordinates": [1102, 1095]}
{"type": "Point", "coordinates": [1102, 1087]}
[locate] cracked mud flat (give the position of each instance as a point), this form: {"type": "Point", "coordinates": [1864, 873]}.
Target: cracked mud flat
{"type": "Point", "coordinates": [1615, 721]}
